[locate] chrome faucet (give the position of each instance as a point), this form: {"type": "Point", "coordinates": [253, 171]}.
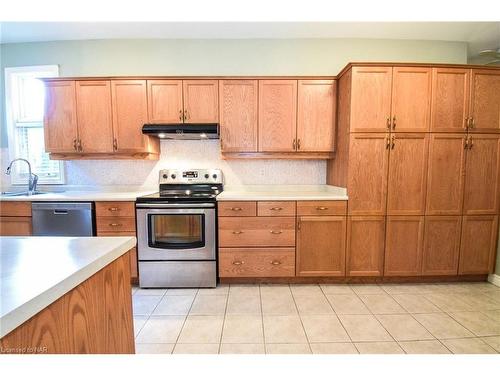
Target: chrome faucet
{"type": "Point", "coordinates": [32, 178]}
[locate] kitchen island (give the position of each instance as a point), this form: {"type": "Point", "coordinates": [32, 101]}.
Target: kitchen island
{"type": "Point", "coordinates": [66, 295]}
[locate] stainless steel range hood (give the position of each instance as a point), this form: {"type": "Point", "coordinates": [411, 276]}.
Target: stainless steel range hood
{"type": "Point", "coordinates": [182, 131]}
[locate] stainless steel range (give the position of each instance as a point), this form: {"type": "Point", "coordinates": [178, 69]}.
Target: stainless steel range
{"type": "Point", "coordinates": [177, 230]}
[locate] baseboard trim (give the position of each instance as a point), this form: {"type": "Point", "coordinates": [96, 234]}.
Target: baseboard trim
{"type": "Point", "coordinates": [494, 279]}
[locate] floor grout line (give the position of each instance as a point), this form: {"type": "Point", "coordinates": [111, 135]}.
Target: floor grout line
{"type": "Point", "coordinates": [224, 318]}
{"type": "Point", "coordinates": [184, 322]}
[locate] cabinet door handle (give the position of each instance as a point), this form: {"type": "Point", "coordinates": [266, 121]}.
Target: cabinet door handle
{"type": "Point", "coordinates": [113, 209]}
{"type": "Point", "coordinates": [74, 144]}
{"type": "Point", "coordinates": [80, 147]}
{"type": "Point", "coordinates": [322, 208]}
{"type": "Point", "coordinates": [180, 115]}
{"type": "Point", "coordinates": [275, 231]}
{"type": "Point", "coordinates": [115, 144]}
{"type": "Point", "coordinates": [393, 143]}
{"type": "Point", "coordinates": [298, 144]}
{"type": "Point", "coordinates": [388, 123]}
{"type": "Point", "coordinates": [276, 208]}
{"type": "Point", "coordinates": [387, 142]}
{"type": "Point", "coordinates": [115, 224]}
{"type": "Point", "coordinates": [186, 115]}
{"type": "Point", "coordinates": [467, 121]}
{"type": "Point", "coordinates": [275, 262]}
{"type": "Point", "coordinates": [294, 144]}
{"type": "Point", "coordinates": [471, 143]}
{"type": "Point", "coordinates": [235, 208]}
{"type": "Point", "coordinates": [237, 232]}
{"type": "Point", "coordinates": [466, 143]}
{"type": "Point", "coordinates": [472, 123]}
{"type": "Point", "coordinates": [393, 122]}
{"type": "Point", "coordinates": [238, 262]}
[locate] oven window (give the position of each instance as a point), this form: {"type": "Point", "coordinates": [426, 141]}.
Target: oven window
{"type": "Point", "coordinates": [176, 231]}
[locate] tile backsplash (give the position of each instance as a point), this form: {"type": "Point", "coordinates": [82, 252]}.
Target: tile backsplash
{"type": "Point", "coordinates": [192, 154]}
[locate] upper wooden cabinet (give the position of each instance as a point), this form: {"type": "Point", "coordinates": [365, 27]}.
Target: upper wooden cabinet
{"type": "Point", "coordinates": [450, 99]}
{"type": "Point", "coordinates": [411, 99]}
{"type": "Point", "coordinates": [165, 101]}
{"type": "Point", "coordinates": [130, 113]}
{"type": "Point", "coordinates": [485, 101]}
{"type": "Point", "coordinates": [201, 101]}
{"type": "Point", "coordinates": [93, 100]}
{"type": "Point", "coordinates": [238, 115]}
{"type": "Point", "coordinates": [370, 99]}
{"type": "Point", "coordinates": [60, 123]}
{"type": "Point", "coordinates": [277, 115]}
{"type": "Point", "coordinates": [321, 245]}
{"type": "Point", "coordinates": [316, 115]}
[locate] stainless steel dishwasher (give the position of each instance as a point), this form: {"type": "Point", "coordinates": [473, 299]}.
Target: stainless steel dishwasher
{"type": "Point", "coordinates": [63, 219]}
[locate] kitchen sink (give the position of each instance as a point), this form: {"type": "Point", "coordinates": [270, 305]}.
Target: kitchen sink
{"type": "Point", "coordinates": [21, 193]}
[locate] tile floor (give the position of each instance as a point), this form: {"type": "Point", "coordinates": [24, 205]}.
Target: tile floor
{"type": "Point", "coordinates": [441, 318]}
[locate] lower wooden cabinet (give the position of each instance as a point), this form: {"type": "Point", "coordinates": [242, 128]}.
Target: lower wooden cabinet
{"type": "Point", "coordinates": [257, 262]}
{"type": "Point", "coordinates": [15, 219]}
{"type": "Point", "coordinates": [403, 246]}
{"type": "Point", "coordinates": [441, 245]}
{"type": "Point", "coordinates": [321, 244]}
{"type": "Point", "coordinates": [478, 244]}
{"type": "Point", "coordinates": [365, 245]}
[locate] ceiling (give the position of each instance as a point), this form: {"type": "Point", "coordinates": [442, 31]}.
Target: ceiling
{"type": "Point", "coordinates": [478, 35]}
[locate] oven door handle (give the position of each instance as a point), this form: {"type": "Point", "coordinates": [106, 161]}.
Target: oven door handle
{"type": "Point", "coordinates": [174, 205]}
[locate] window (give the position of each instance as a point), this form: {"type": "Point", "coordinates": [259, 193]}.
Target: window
{"type": "Point", "coordinates": [24, 96]}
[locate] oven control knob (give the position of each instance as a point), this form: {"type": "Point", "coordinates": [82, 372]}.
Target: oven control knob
{"type": "Point", "coordinates": [165, 175]}
{"type": "Point", "coordinates": [206, 175]}
{"type": "Point", "coordinates": [173, 176]}
{"type": "Point", "coordinates": [214, 176]}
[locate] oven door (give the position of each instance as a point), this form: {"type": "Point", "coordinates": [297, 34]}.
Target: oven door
{"type": "Point", "coordinates": [176, 231]}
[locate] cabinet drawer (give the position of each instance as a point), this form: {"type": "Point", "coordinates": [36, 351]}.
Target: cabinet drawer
{"type": "Point", "coordinates": [115, 224]}
{"type": "Point", "coordinates": [276, 208]}
{"type": "Point", "coordinates": [15, 208]}
{"type": "Point", "coordinates": [315, 208]}
{"type": "Point", "coordinates": [114, 209]}
{"type": "Point", "coordinates": [236, 208]}
{"type": "Point", "coordinates": [264, 262]}
{"type": "Point", "coordinates": [256, 231]}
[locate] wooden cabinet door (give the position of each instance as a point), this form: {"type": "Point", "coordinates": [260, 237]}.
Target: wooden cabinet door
{"type": "Point", "coordinates": [441, 245]}
{"type": "Point", "coordinates": [482, 175]}
{"type": "Point", "coordinates": [446, 174]}
{"type": "Point", "coordinates": [370, 98]}
{"type": "Point", "coordinates": [411, 99]}
{"type": "Point", "coordinates": [277, 115]}
{"type": "Point", "coordinates": [165, 101]}
{"type": "Point", "coordinates": [406, 186]}
{"type": "Point", "coordinates": [485, 101]}
{"type": "Point", "coordinates": [450, 99]}
{"type": "Point", "coordinates": [478, 245]}
{"type": "Point", "coordinates": [95, 127]}
{"type": "Point", "coordinates": [321, 245]}
{"type": "Point", "coordinates": [130, 113]}
{"type": "Point", "coordinates": [403, 245]}
{"type": "Point", "coordinates": [60, 124]}
{"type": "Point", "coordinates": [316, 115]}
{"type": "Point", "coordinates": [201, 101]}
{"type": "Point", "coordinates": [367, 175]}
{"type": "Point", "coordinates": [15, 226]}
{"type": "Point", "coordinates": [365, 245]}
{"type": "Point", "coordinates": [238, 115]}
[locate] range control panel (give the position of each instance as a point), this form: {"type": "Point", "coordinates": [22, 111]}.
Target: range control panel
{"type": "Point", "coordinates": [191, 176]}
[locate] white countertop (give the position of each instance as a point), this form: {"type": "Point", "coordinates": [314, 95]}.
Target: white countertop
{"type": "Point", "coordinates": [80, 196]}
{"type": "Point", "coordinates": [282, 192]}
{"type": "Point", "coordinates": [36, 271]}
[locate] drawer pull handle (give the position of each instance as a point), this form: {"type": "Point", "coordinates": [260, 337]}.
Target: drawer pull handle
{"type": "Point", "coordinates": [275, 262]}
{"type": "Point", "coordinates": [236, 208]}
{"type": "Point", "coordinates": [115, 224]}
{"type": "Point", "coordinates": [113, 209]}
{"type": "Point", "coordinates": [238, 262]}
{"type": "Point", "coordinates": [237, 232]}
{"type": "Point", "coordinates": [322, 208]}
{"type": "Point", "coordinates": [276, 231]}
{"type": "Point", "coordinates": [276, 208]}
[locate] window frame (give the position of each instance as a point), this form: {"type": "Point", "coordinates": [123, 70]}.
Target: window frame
{"type": "Point", "coordinates": [16, 178]}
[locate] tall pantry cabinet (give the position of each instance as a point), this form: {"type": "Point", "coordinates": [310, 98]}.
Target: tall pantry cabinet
{"type": "Point", "coordinates": [421, 162]}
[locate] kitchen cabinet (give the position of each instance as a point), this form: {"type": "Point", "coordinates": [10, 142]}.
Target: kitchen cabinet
{"type": "Point", "coordinates": [441, 245]}
{"type": "Point", "coordinates": [60, 122]}
{"type": "Point", "coordinates": [316, 115]}
{"type": "Point", "coordinates": [238, 115]}
{"type": "Point", "coordinates": [450, 99]}
{"type": "Point", "coordinates": [236, 208]}
{"type": "Point", "coordinates": [165, 101]}
{"type": "Point", "coordinates": [370, 109]}
{"type": "Point", "coordinates": [276, 208]}
{"type": "Point", "coordinates": [411, 98]}
{"type": "Point", "coordinates": [321, 244]}
{"type": "Point", "coordinates": [482, 174]}
{"type": "Point", "coordinates": [95, 127]}
{"type": "Point", "coordinates": [15, 219]}
{"type": "Point", "coordinates": [406, 186]}
{"type": "Point", "coordinates": [367, 178]}
{"type": "Point", "coordinates": [446, 174]}
{"type": "Point", "coordinates": [321, 208]}
{"type": "Point", "coordinates": [485, 101]}
{"type": "Point", "coordinates": [277, 115]}
{"type": "Point", "coordinates": [365, 245]}
{"type": "Point", "coordinates": [404, 245]}
{"type": "Point", "coordinates": [257, 262]}
{"type": "Point", "coordinates": [478, 244]}
{"type": "Point", "coordinates": [201, 101]}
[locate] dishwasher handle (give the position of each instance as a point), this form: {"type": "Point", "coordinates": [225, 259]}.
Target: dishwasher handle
{"type": "Point", "coordinates": [60, 212]}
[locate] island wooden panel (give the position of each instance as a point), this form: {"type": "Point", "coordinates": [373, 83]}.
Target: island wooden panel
{"type": "Point", "coordinates": [15, 208]}
{"type": "Point", "coordinates": [93, 318]}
